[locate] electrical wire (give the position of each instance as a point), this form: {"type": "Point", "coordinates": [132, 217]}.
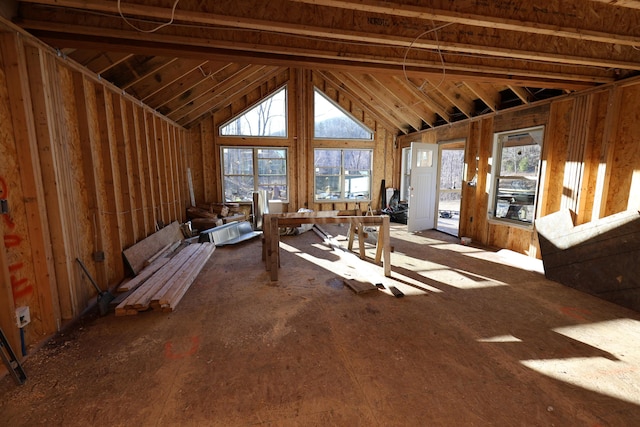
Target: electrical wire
{"type": "Point", "coordinates": [433, 30]}
{"type": "Point", "coordinates": [173, 15]}
{"type": "Point", "coordinates": [343, 42]}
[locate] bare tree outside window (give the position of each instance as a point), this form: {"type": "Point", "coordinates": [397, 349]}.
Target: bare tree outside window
{"type": "Point", "coordinates": [267, 119]}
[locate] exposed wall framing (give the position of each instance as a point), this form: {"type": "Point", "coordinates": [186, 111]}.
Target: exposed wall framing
{"type": "Point", "coordinates": [87, 171]}
{"type": "Point", "coordinates": [590, 160]}
{"type": "Point", "coordinates": [205, 158]}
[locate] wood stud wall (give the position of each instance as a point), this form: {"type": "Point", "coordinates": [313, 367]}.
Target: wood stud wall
{"type": "Point", "coordinates": [87, 172]}
{"type": "Point", "coordinates": [205, 158]}
{"type": "Point", "coordinates": [591, 160]}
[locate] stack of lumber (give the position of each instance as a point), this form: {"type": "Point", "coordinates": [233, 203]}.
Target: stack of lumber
{"type": "Point", "coordinates": [162, 284]}
{"type": "Point", "coordinates": [139, 254]}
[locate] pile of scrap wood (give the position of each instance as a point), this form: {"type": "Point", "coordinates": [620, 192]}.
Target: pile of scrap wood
{"type": "Point", "coordinates": [162, 284]}
{"type": "Point", "coordinates": [204, 217]}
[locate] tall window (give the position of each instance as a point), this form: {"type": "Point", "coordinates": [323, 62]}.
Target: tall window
{"type": "Point", "coordinates": [516, 172]}
{"type": "Point", "coordinates": [267, 119]}
{"type": "Point", "coordinates": [342, 174]}
{"type": "Point", "coordinates": [248, 169]}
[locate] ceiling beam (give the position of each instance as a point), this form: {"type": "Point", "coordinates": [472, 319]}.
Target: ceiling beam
{"type": "Point", "coordinates": [342, 32]}
{"type": "Point", "coordinates": [502, 19]}
{"type": "Point", "coordinates": [209, 48]}
{"type": "Point", "coordinates": [632, 4]}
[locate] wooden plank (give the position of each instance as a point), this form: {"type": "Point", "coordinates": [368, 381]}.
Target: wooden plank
{"type": "Point", "coordinates": [135, 168]}
{"type": "Point", "coordinates": [161, 137]}
{"type": "Point", "coordinates": [140, 299]}
{"type": "Point", "coordinates": [7, 310]}
{"type": "Point", "coordinates": [273, 222]}
{"type": "Point", "coordinates": [42, 73]}
{"type": "Point", "coordinates": [146, 272]}
{"type": "Point", "coordinates": [187, 276]}
{"type": "Point", "coordinates": [146, 171]}
{"type": "Point", "coordinates": [113, 221]}
{"type": "Point", "coordinates": [158, 198]}
{"type": "Point", "coordinates": [15, 69]}
{"type": "Point", "coordinates": [90, 167]}
{"type": "Point", "coordinates": [358, 286]}
{"type": "Point", "coordinates": [166, 250]}
{"type": "Point", "coordinates": [137, 254]}
{"type": "Point", "coordinates": [125, 190]}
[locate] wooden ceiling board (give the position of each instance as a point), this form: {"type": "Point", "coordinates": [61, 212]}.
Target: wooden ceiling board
{"type": "Point", "coordinates": [403, 62]}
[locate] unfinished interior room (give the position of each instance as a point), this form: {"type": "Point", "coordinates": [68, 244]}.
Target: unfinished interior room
{"type": "Point", "coordinates": [320, 213]}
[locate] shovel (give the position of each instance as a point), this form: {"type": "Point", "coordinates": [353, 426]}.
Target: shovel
{"type": "Point", "coordinates": [104, 297]}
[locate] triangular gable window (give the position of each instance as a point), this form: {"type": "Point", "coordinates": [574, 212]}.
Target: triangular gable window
{"type": "Point", "coordinates": [332, 122]}
{"type": "Point", "coordinates": [267, 119]}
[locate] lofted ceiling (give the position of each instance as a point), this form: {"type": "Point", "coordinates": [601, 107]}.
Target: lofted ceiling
{"type": "Point", "coordinates": [415, 64]}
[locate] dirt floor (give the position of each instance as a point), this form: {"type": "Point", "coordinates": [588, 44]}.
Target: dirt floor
{"type": "Point", "coordinates": [480, 338]}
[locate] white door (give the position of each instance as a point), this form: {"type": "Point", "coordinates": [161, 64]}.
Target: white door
{"type": "Point", "coordinates": [424, 184]}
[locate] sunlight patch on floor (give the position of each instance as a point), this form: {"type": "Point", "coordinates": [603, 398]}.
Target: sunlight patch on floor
{"type": "Point", "coordinates": [500, 338]}
{"type": "Point", "coordinates": [617, 378]}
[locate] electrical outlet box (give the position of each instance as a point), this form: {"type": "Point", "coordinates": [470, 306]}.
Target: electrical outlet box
{"type": "Point", "coordinates": [23, 317]}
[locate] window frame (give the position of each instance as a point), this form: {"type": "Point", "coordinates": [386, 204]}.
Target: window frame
{"type": "Point", "coordinates": [284, 88]}
{"type": "Point", "coordinates": [342, 176]}
{"type": "Point", "coordinates": [256, 172]}
{"type": "Point", "coordinates": [317, 91]}
{"type": "Point", "coordinates": [499, 140]}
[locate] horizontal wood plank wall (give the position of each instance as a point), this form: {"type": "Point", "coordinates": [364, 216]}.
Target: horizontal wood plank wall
{"type": "Point", "coordinates": [87, 172]}
{"type": "Point", "coordinates": [590, 160]}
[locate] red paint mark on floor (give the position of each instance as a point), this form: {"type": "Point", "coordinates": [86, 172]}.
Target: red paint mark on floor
{"type": "Point", "coordinates": [170, 354]}
{"type": "Point", "coordinates": [576, 313]}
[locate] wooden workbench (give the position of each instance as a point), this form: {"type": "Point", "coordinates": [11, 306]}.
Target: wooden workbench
{"type": "Point", "coordinates": [273, 222]}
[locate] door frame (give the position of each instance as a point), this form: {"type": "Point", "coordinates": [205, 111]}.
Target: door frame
{"type": "Point", "coordinates": [423, 200]}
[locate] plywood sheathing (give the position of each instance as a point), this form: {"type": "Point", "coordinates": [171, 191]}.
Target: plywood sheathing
{"type": "Point", "coordinates": [77, 160]}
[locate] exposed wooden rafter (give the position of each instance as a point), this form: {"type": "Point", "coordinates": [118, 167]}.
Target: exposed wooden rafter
{"type": "Point", "coordinates": [408, 64]}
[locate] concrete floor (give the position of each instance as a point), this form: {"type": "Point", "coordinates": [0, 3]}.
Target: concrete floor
{"type": "Point", "coordinates": [476, 341]}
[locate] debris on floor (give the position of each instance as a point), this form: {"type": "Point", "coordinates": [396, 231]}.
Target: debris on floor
{"type": "Point", "coordinates": [358, 286]}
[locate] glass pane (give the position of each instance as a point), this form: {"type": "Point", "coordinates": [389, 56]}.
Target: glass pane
{"type": "Point", "coordinates": [269, 118]}
{"type": "Point", "coordinates": [271, 154]}
{"type": "Point", "coordinates": [272, 180]}
{"type": "Point", "coordinates": [357, 187]}
{"type": "Point", "coordinates": [328, 158]}
{"type": "Point", "coordinates": [515, 199]}
{"type": "Point", "coordinates": [238, 161]}
{"type": "Point", "coordinates": [327, 187]}
{"type": "Point", "coordinates": [238, 188]}
{"type": "Point", "coordinates": [275, 191]}
{"type": "Point", "coordinates": [357, 159]}
{"type": "Point", "coordinates": [330, 121]}
{"type": "Point", "coordinates": [424, 158]}
{"type": "Point", "coordinates": [327, 171]}
{"type": "Point", "coordinates": [520, 156]}
{"type": "Point", "coordinates": [272, 166]}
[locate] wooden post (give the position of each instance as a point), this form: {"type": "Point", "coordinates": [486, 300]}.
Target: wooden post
{"type": "Point", "coordinates": [111, 200]}
{"type": "Point", "coordinates": [386, 250]}
{"type": "Point", "coordinates": [90, 151]}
